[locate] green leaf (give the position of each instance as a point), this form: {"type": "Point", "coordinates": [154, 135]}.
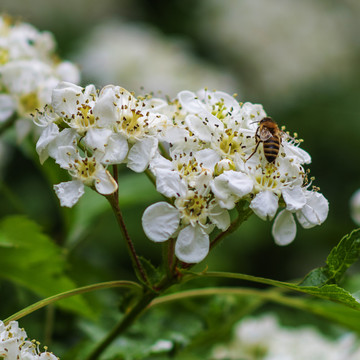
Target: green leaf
{"type": "Point", "coordinates": [154, 274]}
{"type": "Point", "coordinates": [31, 259]}
{"type": "Point", "coordinates": [341, 257]}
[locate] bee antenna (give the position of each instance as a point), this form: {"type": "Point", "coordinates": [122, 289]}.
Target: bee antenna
{"type": "Point", "coordinates": [253, 122]}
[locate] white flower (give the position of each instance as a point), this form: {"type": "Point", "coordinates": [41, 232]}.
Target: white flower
{"type": "Point", "coordinates": [75, 105]}
{"type": "Point", "coordinates": [85, 171]}
{"type": "Point", "coordinates": [230, 187]}
{"type": "Point", "coordinates": [29, 70]}
{"type": "Point", "coordinates": [298, 58]}
{"type": "Point", "coordinates": [313, 212]}
{"type": "Point", "coordinates": [14, 344]}
{"type": "Point", "coordinates": [190, 219]}
{"type": "Point", "coordinates": [130, 121]}
{"type": "Point", "coordinates": [156, 63]}
{"type": "Point", "coordinates": [265, 338]}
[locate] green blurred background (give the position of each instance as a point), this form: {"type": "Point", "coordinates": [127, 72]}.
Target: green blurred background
{"type": "Point", "coordinates": [299, 59]}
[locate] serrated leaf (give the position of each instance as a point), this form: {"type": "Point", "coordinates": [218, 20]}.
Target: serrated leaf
{"type": "Point", "coordinates": [153, 273]}
{"type": "Point", "coordinates": [36, 262]}
{"type": "Point", "coordinates": [341, 257]}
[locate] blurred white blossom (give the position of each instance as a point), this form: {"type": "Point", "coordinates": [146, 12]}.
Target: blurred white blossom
{"type": "Point", "coordinates": [282, 47]}
{"type": "Point", "coordinates": [29, 70]}
{"type": "Point", "coordinates": [263, 338]}
{"type": "Point", "coordinates": [355, 207]}
{"type": "Point", "coordinates": [138, 56]}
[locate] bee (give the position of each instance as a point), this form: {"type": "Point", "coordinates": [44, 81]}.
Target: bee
{"type": "Point", "coordinates": [270, 135]}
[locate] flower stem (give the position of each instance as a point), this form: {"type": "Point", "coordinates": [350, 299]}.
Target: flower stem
{"type": "Point", "coordinates": [113, 200]}
{"type": "Point", "coordinates": [244, 214]}
{"type": "Point", "coordinates": [123, 325]}
{"type": "Point", "coordinates": [169, 260]}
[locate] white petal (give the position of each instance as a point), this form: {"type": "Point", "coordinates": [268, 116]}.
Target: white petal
{"type": "Point", "coordinates": [116, 150]}
{"type": "Point", "coordinates": [284, 228]}
{"type": "Point", "coordinates": [220, 217]}
{"type": "Point", "coordinates": [218, 97]}
{"type": "Point", "coordinates": [173, 134]}
{"type": "Point", "coordinates": [68, 72]}
{"type": "Point", "coordinates": [65, 156]}
{"type": "Point", "coordinates": [231, 183]}
{"type": "Point", "coordinates": [208, 158]}
{"type": "Point", "coordinates": [104, 182]}
{"type": "Point", "coordinates": [49, 134]}
{"type": "Point", "coordinates": [96, 139]}
{"type": "Point", "coordinates": [69, 192]}
{"type": "Point", "coordinates": [300, 155]}
{"type": "Point", "coordinates": [315, 211]}
{"type": "Point", "coordinates": [7, 107]}
{"type": "Point", "coordinates": [192, 244]}
{"type": "Point", "coordinates": [294, 198]}
{"type": "Point", "coordinates": [203, 131]}
{"type": "Point", "coordinates": [159, 162]}
{"type": "Point", "coordinates": [265, 204]}
{"type": "Point", "coordinates": [66, 137]}
{"type": "Point", "coordinates": [141, 153]}
{"type": "Point", "coordinates": [170, 184]}
{"type": "Point", "coordinates": [160, 221]}
{"type": "Point", "coordinates": [65, 97]}
{"type": "Point", "coordinates": [190, 102]}
{"type": "Point", "coordinates": [104, 108]}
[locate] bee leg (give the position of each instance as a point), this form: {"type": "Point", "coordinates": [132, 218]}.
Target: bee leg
{"type": "Point", "coordinates": [256, 147]}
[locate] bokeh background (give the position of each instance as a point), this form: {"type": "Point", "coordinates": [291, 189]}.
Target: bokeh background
{"type": "Point", "coordinates": [300, 59]}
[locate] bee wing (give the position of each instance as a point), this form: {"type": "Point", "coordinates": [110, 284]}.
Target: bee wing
{"type": "Point", "coordinates": [265, 134]}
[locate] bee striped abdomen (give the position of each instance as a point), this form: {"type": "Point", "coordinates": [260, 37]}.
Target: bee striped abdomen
{"type": "Point", "coordinates": [271, 148]}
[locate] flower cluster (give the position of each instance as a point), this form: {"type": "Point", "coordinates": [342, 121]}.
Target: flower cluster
{"type": "Point", "coordinates": [13, 344]}
{"type": "Point", "coordinates": [29, 70]}
{"type": "Point", "coordinates": [211, 156]}
{"type": "Point", "coordinates": [264, 338]}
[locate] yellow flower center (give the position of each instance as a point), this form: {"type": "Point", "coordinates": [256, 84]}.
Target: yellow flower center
{"type": "Point", "coordinates": [29, 103]}
{"type": "Point", "coordinates": [193, 208]}
{"type": "Point", "coordinates": [84, 119]}
{"type": "Point", "coordinates": [219, 110]}
{"type": "Point", "coordinates": [4, 56]}
{"type": "Point", "coordinates": [130, 124]}
{"type": "Point", "coordinates": [86, 168]}
{"type": "Point", "coordinates": [229, 143]}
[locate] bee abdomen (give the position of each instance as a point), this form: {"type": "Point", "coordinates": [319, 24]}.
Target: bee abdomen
{"type": "Point", "coordinates": [271, 149]}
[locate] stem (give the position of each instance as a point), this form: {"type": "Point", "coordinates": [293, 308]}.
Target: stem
{"type": "Point", "coordinates": [168, 280]}
{"type": "Point", "coordinates": [113, 200]}
{"type": "Point", "coordinates": [49, 324]}
{"type": "Point", "coordinates": [243, 216]}
{"type": "Point", "coordinates": [42, 303]}
{"type": "Point", "coordinates": [169, 260]}
{"type": "Point", "coordinates": [124, 324]}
